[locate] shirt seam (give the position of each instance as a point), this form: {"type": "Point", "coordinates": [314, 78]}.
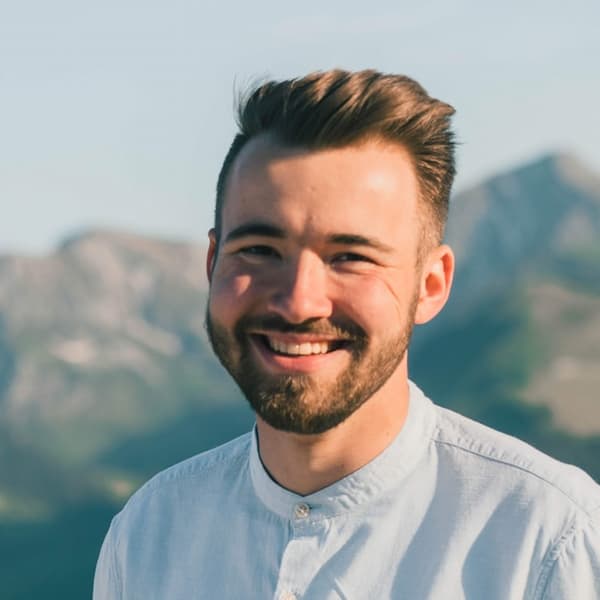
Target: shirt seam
{"type": "Point", "coordinates": [551, 560]}
{"type": "Point", "coordinates": [587, 511]}
{"type": "Point", "coordinates": [115, 571]}
{"type": "Point", "coordinates": [348, 512]}
{"type": "Point", "coordinates": [160, 485]}
{"type": "Point", "coordinates": [552, 554]}
{"type": "Point", "coordinates": [165, 480]}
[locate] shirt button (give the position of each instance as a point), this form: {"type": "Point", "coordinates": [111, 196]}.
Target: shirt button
{"type": "Point", "coordinates": [287, 596]}
{"type": "Point", "coordinates": [301, 511]}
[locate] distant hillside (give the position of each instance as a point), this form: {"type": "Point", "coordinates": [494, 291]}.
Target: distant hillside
{"type": "Point", "coordinates": [102, 340]}
{"type": "Point", "coordinates": [538, 221]}
{"type": "Point", "coordinates": [106, 375]}
{"type": "Point", "coordinates": [525, 308]}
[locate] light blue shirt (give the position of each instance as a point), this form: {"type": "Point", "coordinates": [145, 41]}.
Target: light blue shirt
{"type": "Point", "coordinates": [450, 510]}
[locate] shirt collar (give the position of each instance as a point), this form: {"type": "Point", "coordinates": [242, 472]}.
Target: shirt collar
{"type": "Point", "coordinates": [385, 471]}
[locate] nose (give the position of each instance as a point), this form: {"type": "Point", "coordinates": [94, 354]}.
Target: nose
{"type": "Point", "coordinates": [300, 293]}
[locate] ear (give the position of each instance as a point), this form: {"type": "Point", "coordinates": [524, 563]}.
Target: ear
{"type": "Point", "coordinates": [436, 281]}
{"type": "Point", "coordinates": [211, 254]}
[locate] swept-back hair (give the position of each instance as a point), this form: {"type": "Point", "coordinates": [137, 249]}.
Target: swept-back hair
{"type": "Point", "coordinates": [338, 108]}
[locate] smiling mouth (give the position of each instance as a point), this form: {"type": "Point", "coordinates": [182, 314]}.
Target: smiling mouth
{"type": "Point", "coordinates": [305, 348]}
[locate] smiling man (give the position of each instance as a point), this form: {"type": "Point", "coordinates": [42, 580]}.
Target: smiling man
{"type": "Point", "coordinates": [326, 251]}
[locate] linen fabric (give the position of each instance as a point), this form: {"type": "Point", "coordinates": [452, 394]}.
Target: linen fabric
{"type": "Point", "coordinates": [451, 509]}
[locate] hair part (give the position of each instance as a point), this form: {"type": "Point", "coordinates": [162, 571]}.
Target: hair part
{"type": "Point", "coordinates": [338, 108]}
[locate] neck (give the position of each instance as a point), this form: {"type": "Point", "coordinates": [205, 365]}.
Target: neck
{"type": "Point", "coordinates": [307, 463]}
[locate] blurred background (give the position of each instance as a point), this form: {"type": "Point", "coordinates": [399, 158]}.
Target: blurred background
{"type": "Point", "coordinates": [114, 120]}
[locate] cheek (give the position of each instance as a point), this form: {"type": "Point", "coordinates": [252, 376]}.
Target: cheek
{"type": "Point", "coordinates": [376, 301]}
{"type": "Point", "coordinates": [242, 286]}
{"type": "Point", "coordinates": [228, 295]}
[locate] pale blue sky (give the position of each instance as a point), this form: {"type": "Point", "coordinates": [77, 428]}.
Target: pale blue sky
{"type": "Point", "coordinates": [118, 113]}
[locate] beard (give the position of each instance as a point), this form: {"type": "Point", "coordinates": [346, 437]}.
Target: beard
{"type": "Point", "coordinates": [301, 403]}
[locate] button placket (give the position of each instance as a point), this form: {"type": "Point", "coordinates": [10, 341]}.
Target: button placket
{"type": "Point", "coordinates": [299, 561]}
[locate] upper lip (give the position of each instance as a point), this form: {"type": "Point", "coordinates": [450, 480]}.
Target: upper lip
{"type": "Point", "coordinates": [299, 338]}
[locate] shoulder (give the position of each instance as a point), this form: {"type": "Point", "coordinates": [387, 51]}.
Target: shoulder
{"type": "Point", "coordinates": [167, 513]}
{"type": "Point", "coordinates": [509, 463]}
{"type": "Point", "coordinates": [206, 473]}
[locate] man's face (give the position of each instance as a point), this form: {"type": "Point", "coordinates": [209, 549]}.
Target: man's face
{"type": "Point", "coordinates": [315, 283]}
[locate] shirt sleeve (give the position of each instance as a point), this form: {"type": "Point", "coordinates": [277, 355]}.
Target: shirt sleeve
{"type": "Point", "coordinates": [106, 582]}
{"type": "Point", "coordinates": [576, 569]}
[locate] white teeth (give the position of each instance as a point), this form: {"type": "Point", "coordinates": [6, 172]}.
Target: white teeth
{"type": "Point", "coordinates": [304, 349]}
{"type": "Point", "coordinates": [317, 348]}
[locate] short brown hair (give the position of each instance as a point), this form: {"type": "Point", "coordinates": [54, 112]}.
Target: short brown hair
{"type": "Point", "coordinates": [338, 108]}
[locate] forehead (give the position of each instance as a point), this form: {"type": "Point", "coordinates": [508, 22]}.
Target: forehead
{"type": "Point", "coordinates": [353, 189]}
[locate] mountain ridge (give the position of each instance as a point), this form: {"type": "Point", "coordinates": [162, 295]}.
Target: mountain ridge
{"type": "Point", "coordinates": [115, 311]}
{"type": "Point", "coordinates": [106, 375]}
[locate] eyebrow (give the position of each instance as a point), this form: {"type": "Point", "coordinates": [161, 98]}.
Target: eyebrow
{"type": "Point", "coordinates": [258, 229]}
{"type": "Point", "coordinates": [272, 231]}
{"type": "Point", "coordinates": [354, 239]}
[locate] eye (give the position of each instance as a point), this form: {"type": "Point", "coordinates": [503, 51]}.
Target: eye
{"type": "Point", "coordinates": [258, 251]}
{"type": "Point", "coordinates": [349, 257]}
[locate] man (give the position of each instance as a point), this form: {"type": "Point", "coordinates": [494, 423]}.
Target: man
{"type": "Point", "coordinates": [327, 249]}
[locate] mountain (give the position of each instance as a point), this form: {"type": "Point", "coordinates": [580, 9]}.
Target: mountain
{"type": "Point", "coordinates": [102, 340]}
{"type": "Point", "coordinates": [539, 221]}
{"type": "Point", "coordinates": [524, 314]}
{"type": "Point", "coordinates": [106, 375]}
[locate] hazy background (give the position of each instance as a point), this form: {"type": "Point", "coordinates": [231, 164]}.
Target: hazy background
{"type": "Point", "coordinates": [114, 120]}
{"type": "Point", "coordinates": [119, 113]}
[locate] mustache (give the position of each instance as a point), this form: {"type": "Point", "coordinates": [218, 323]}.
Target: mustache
{"type": "Point", "coordinates": [336, 327]}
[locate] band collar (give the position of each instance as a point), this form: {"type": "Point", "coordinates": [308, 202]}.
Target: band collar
{"type": "Point", "coordinates": [385, 471]}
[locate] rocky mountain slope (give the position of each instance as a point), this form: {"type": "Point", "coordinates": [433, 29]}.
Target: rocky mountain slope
{"type": "Point", "coordinates": [102, 339]}
{"type": "Point", "coordinates": [106, 375]}
{"type": "Point", "coordinates": [537, 221]}
{"type": "Point", "coordinates": [528, 255]}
